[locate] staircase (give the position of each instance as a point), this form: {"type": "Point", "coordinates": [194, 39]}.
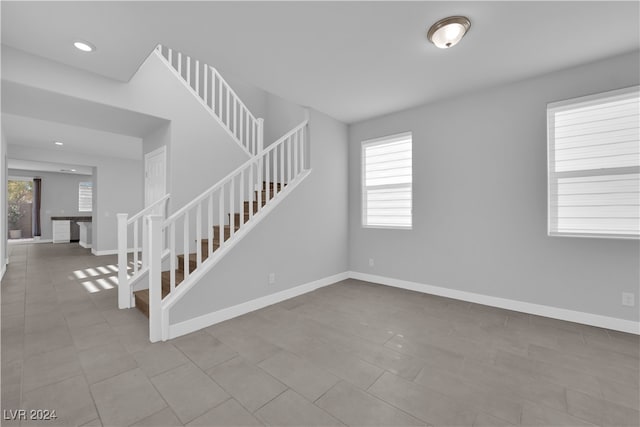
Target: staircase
{"type": "Point", "coordinates": [172, 254]}
{"type": "Point", "coordinates": [142, 296]}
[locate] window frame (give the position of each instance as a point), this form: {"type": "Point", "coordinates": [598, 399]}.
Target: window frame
{"type": "Point", "coordinates": [553, 177]}
{"type": "Point", "coordinates": [80, 186]}
{"type": "Point", "coordinates": [363, 187]}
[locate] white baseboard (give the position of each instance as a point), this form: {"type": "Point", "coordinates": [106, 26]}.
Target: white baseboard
{"type": "Point", "coordinates": [85, 245]}
{"type": "Point", "coordinates": [607, 322]}
{"type": "Point", "coordinates": [191, 325]}
{"type": "Point", "coordinates": [29, 242]}
{"type": "Point", "coordinates": [218, 255]}
{"type": "Point", "coordinates": [107, 251]}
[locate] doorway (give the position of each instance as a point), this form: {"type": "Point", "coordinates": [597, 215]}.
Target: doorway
{"type": "Point", "coordinates": [20, 208]}
{"type": "Point", "coordinates": [155, 179]}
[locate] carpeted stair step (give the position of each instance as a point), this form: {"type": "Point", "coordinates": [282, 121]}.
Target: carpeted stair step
{"type": "Point", "coordinates": [236, 217]}
{"type": "Point", "coordinates": [142, 296]}
{"type": "Point", "coordinates": [247, 206]}
{"type": "Point", "coordinates": [204, 247]}
{"type": "Point", "coordinates": [271, 184]}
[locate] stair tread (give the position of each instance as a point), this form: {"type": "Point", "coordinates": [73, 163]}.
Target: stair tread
{"type": "Point", "coordinates": [142, 296]}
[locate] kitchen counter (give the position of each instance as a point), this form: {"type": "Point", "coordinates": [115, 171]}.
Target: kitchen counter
{"type": "Point", "coordinates": [66, 229]}
{"type": "Point", "coordinates": [71, 218]}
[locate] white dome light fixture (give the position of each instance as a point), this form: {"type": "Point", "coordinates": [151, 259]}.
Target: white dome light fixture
{"type": "Point", "coordinates": [449, 31]}
{"type": "Point", "coordinates": [84, 46]}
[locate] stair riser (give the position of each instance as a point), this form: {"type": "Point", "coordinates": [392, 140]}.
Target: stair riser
{"type": "Point", "coordinates": [142, 297]}
{"type": "Point", "coordinates": [271, 184]}
{"type": "Point", "coordinates": [236, 217]}
{"type": "Point", "coordinates": [255, 206]}
{"type": "Point", "coordinates": [142, 305]}
{"type": "Point", "coordinates": [264, 194]}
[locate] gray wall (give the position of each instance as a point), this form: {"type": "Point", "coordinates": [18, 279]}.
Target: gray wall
{"type": "Point", "coordinates": [200, 152]}
{"type": "Point", "coordinates": [281, 116]}
{"type": "Point", "coordinates": [59, 196]}
{"type": "Point", "coordinates": [480, 207]}
{"type": "Point", "coordinates": [302, 240]}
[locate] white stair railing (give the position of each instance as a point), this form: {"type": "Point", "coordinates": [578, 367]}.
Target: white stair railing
{"type": "Point", "coordinates": [140, 248]}
{"type": "Point", "coordinates": [249, 190]}
{"type": "Point", "coordinates": [217, 96]}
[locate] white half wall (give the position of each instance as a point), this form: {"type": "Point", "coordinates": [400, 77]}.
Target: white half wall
{"type": "Point", "coordinates": [302, 240]}
{"type": "Point", "coordinates": [480, 200]}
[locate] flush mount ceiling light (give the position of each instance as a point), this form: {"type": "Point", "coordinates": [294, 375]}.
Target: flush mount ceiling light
{"type": "Point", "coordinates": [84, 46]}
{"type": "Point", "coordinates": [449, 31]}
{"type": "Point", "coordinates": [58, 143]}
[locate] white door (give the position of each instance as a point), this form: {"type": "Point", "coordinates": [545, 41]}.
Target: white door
{"type": "Point", "coordinates": [155, 176]}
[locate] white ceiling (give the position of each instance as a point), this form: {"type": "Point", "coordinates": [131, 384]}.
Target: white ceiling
{"type": "Point", "coordinates": [41, 104]}
{"type": "Point", "coordinates": [351, 60]}
{"type": "Point", "coordinates": [31, 132]}
{"type": "Point", "coordinates": [35, 167]}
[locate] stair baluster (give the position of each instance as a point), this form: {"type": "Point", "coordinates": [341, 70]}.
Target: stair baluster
{"type": "Point", "coordinates": [268, 176]}
{"type": "Point", "coordinates": [226, 105]}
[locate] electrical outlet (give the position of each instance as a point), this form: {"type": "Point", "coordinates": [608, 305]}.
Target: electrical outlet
{"type": "Point", "coordinates": [272, 278]}
{"type": "Point", "coordinates": [628, 299]}
{"type": "Point", "coordinates": [371, 262]}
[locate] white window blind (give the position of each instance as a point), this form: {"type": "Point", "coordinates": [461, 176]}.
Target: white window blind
{"type": "Point", "coordinates": [594, 165]}
{"type": "Point", "coordinates": [85, 197]}
{"type": "Point", "coordinates": [386, 182]}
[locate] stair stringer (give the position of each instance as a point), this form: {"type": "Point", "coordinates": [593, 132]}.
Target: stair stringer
{"type": "Point", "coordinates": [208, 264]}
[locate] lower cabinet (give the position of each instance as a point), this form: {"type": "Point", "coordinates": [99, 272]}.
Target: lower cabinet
{"type": "Point", "coordinates": [61, 231]}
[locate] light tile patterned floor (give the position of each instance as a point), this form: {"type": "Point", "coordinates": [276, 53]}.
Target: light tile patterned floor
{"type": "Point", "coordinates": [353, 353]}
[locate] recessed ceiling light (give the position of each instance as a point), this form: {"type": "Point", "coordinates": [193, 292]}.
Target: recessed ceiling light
{"type": "Point", "coordinates": [58, 143]}
{"type": "Point", "coordinates": [84, 46]}
{"type": "Point", "coordinates": [449, 31]}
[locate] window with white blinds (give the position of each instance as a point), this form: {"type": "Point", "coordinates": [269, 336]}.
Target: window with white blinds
{"type": "Point", "coordinates": [386, 182]}
{"type": "Point", "coordinates": [85, 197]}
{"type": "Point", "coordinates": [594, 165]}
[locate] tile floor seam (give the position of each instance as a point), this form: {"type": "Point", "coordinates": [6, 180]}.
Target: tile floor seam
{"type": "Point", "coordinates": [270, 400]}
{"type": "Point", "coordinates": [392, 405]}
{"type": "Point", "coordinates": [196, 364]}
{"type": "Point", "coordinates": [243, 406]}
{"type": "Point", "coordinates": [384, 371]}
{"type": "Point", "coordinates": [24, 329]}
{"type": "Point", "coordinates": [167, 370]}
{"type": "Point", "coordinates": [326, 391]}
{"type": "Point", "coordinates": [162, 396]}
{"type": "Point", "coordinates": [603, 388]}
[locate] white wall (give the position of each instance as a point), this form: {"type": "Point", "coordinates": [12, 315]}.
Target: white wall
{"type": "Point", "coordinates": [281, 116]}
{"type": "Point", "coordinates": [59, 196]}
{"type": "Point", "coordinates": [254, 98]}
{"type": "Point", "coordinates": [304, 239]}
{"type": "Point", "coordinates": [480, 207]}
{"type": "Point", "coordinates": [200, 151]}
{"type": "Point", "coordinates": [117, 188]}
{"type": "Point", "coordinates": [3, 204]}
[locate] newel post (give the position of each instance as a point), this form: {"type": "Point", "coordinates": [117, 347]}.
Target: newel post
{"type": "Point", "coordinates": [154, 234]}
{"type": "Point", "coordinates": [124, 290]}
